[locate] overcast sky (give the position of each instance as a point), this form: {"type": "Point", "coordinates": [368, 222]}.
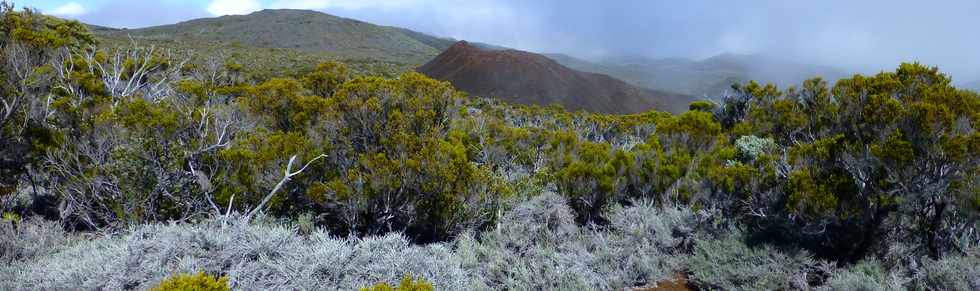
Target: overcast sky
{"type": "Point", "coordinates": [866, 36]}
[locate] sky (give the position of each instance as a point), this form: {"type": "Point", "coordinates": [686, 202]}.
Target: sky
{"type": "Point", "coordinates": [860, 36]}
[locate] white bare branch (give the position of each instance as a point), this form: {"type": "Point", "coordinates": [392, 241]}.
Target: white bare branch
{"type": "Point", "coordinates": [288, 174]}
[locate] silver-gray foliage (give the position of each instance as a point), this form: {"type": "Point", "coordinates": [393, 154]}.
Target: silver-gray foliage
{"type": "Point", "coordinates": [537, 245]}
{"type": "Point", "coordinates": [950, 273]}
{"type": "Point", "coordinates": [865, 276]}
{"type": "Point", "coordinates": [29, 239]}
{"type": "Point", "coordinates": [730, 264]}
{"type": "Point", "coordinates": [253, 256]}
{"type": "Point", "coordinates": [751, 147]}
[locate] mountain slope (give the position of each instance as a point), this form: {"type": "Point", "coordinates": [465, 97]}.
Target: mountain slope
{"type": "Point", "coordinates": [710, 77]}
{"type": "Point", "coordinates": [303, 30]}
{"type": "Point", "coordinates": [527, 78]}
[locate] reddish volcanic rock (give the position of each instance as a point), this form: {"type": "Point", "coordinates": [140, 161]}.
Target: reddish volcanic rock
{"type": "Point", "coordinates": [527, 78]}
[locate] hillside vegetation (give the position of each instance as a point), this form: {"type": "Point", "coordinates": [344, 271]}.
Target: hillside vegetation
{"type": "Point", "coordinates": [303, 30]}
{"type": "Point", "coordinates": [121, 167]}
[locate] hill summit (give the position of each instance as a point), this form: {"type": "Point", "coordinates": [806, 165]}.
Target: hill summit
{"type": "Point", "coordinates": [302, 30]}
{"type": "Point", "coordinates": [527, 78]}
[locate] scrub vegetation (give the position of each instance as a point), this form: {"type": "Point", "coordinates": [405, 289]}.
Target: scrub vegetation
{"type": "Point", "coordinates": [138, 167]}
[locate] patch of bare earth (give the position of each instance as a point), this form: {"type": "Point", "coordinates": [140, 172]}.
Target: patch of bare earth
{"type": "Point", "coordinates": [678, 282]}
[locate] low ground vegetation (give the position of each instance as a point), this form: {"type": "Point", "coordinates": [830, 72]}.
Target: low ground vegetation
{"type": "Point", "coordinates": [539, 246]}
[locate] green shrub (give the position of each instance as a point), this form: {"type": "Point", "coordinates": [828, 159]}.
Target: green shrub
{"type": "Point", "coordinates": [188, 282]}
{"type": "Point", "coordinates": [702, 105]}
{"type": "Point", "coordinates": [407, 284]}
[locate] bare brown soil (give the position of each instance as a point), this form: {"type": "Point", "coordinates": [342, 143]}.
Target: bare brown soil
{"type": "Point", "coordinates": [678, 283]}
{"type": "Point", "coordinates": [528, 78]}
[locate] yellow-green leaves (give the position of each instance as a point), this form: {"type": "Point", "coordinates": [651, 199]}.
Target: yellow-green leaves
{"type": "Point", "coordinates": [693, 130]}
{"type": "Point", "coordinates": [407, 284]}
{"type": "Point", "coordinates": [197, 282]}
{"type": "Point", "coordinates": [141, 115]}
{"type": "Point", "coordinates": [808, 195]}
{"type": "Point", "coordinates": [283, 105]}
{"type": "Point", "coordinates": [894, 148]}
{"type": "Point", "coordinates": [40, 32]}
{"type": "Point", "coordinates": [326, 78]}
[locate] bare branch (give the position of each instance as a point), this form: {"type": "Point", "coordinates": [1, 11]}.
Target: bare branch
{"type": "Point", "coordinates": [287, 175]}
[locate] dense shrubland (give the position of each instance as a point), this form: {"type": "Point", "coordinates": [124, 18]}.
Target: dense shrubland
{"type": "Point", "coordinates": [120, 166]}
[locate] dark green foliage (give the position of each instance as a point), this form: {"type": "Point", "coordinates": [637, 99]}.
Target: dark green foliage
{"type": "Point", "coordinates": [706, 106]}
{"type": "Point", "coordinates": [402, 165]}
{"type": "Point", "coordinates": [873, 159]}
{"type": "Point", "coordinates": [29, 41]}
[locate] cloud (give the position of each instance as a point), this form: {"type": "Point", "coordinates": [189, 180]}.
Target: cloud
{"type": "Point", "coordinates": [233, 7]}
{"type": "Point", "coordinates": [70, 9]}
{"type": "Point", "coordinates": [133, 14]}
{"type": "Point", "coordinates": [865, 36]}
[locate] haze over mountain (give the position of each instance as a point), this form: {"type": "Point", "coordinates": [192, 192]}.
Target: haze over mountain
{"type": "Point", "coordinates": [528, 78]}
{"type": "Point", "coordinates": [709, 77]}
{"type": "Point", "coordinates": [865, 36]}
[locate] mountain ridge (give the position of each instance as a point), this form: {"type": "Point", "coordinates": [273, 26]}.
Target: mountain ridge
{"type": "Point", "coordinates": [528, 78]}
{"type": "Point", "coordinates": [309, 31]}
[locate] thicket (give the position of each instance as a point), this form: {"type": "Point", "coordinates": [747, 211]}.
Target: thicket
{"type": "Point", "coordinates": [882, 167]}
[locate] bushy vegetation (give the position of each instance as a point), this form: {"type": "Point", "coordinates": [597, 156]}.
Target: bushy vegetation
{"type": "Point", "coordinates": [728, 264]}
{"type": "Point", "coordinates": [407, 284]}
{"type": "Point", "coordinates": [539, 246]}
{"type": "Point", "coordinates": [24, 240]}
{"type": "Point", "coordinates": [271, 255]}
{"type": "Point", "coordinates": [163, 161]}
{"type": "Point", "coordinates": [188, 282]}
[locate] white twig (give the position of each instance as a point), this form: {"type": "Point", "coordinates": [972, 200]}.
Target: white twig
{"type": "Point", "coordinates": [287, 175]}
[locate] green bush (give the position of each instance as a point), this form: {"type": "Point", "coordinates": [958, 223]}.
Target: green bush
{"type": "Point", "coordinates": [407, 284]}
{"type": "Point", "coordinates": [188, 282]}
